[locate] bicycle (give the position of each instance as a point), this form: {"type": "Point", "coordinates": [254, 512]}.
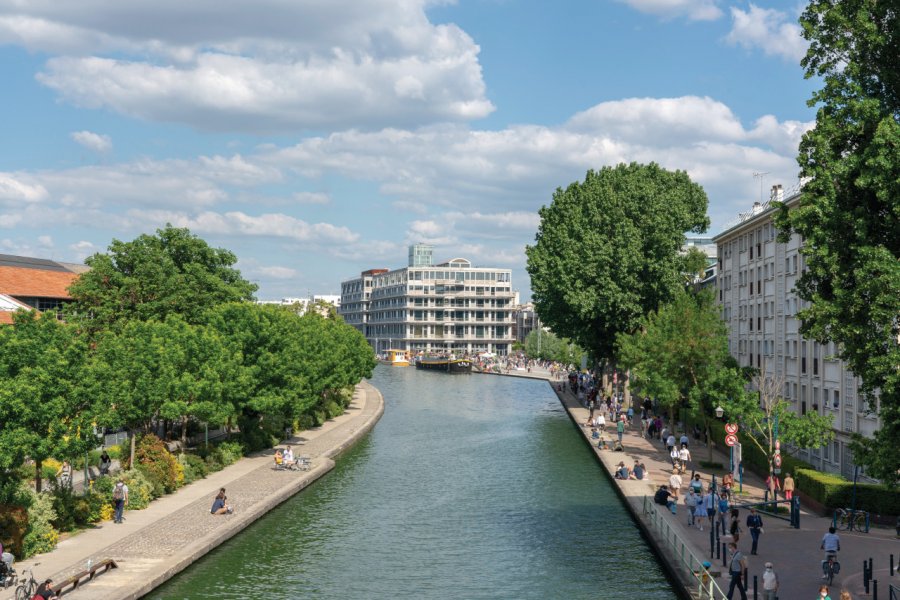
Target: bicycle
{"type": "Point", "coordinates": [28, 587]}
{"type": "Point", "coordinates": [848, 519]}
{"type": "Point", "coordinates": [830, 567]}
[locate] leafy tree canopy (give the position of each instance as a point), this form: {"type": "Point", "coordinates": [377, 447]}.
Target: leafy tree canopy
{"type": "Point", "coordinates": [607, 251]}
{"type": "Point", "coordinates": [172, 272]}
{"type": "Point", "coordinates": [849, 212]}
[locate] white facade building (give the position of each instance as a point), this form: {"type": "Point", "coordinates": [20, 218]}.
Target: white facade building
{"type": "Point", "coordinates": [755, 289]}
{"type": "Point", "coordinates": [452, 307]}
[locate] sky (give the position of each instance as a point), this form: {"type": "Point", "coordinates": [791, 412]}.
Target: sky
{"type": "Point", "coordinates": [316, 139]}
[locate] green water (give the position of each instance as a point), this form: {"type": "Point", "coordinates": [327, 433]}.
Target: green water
{"type": "Point", "coordinates": [469, 487]}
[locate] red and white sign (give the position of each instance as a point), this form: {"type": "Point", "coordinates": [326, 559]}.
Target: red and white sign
{"type": "Point", "coordinates": [777, 461]}
{"type": "Point", "coordinates": [731, 440]}
{"type": "Point", "coordinates": [731, 428]}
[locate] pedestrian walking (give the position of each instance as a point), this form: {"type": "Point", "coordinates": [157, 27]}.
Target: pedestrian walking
{"type": "Point", "coordinates": [690, 501]}
{"type": "Point", "coordinates": [673, 456]}
{"type": "Point", "coordinates": [675, 482]}
{"type": "Point", "coordinates": [700, 512]}
{"type": "Point", "coordinates": [734, 528]}
{"type": "Point", "coordinates": [64, 474]}
{"type": "Point", "coordinates": [670, 442]}
{"type": "Point", "coordinates": [684, 440]}
{"type": "Point", "coordinates": [620, 428]}
{"type": "Point", "coordinates": [722, 511]}
{"type": "Point", "coordinates": [120, 499]}
{"type": "Point", "coordinates": [788, 487]}
{"type": "Point", "coordinates": [711, 504]}
{"type": "Point", "coordinates": [823, 593]}
{"type": "Point", "coordinates": [684, 457]}
{"type": "Point", "coordinates": [736, 567]}
{"type": "Point", "coordinates": [770, 583]}
{"type": "Point", "coordinates": [755, 525]}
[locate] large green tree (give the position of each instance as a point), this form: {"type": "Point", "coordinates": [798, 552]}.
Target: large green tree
{"type": "Point", "coordinates": [607, 251]}
{"type": "Point", "coordinates": [849, 211]}
{"type": "Point", "coordinates": [44, 408]}
{"type": "Point", "coordinates": [680, 357]}
{"type": "Point", "coordinates": [154, 276]}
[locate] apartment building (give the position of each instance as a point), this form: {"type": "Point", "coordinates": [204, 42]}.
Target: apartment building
{"type": "Point", "coordinates": [452, 307]}
{"type": "Point", "coordinates": [755, 283]}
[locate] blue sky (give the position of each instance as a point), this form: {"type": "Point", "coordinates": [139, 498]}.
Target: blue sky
{"type": "Point", "coordinates": [318, 138]}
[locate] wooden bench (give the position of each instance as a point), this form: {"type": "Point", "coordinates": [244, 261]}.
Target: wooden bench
{"type": "Point", "coordinates": [71, 584]}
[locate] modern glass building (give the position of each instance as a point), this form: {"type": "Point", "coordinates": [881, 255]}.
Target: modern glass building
{"type": "Point", "coordinates": [453, 307]}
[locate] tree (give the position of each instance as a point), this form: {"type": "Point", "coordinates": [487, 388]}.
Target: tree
{"type": "Point", "coordinates": [680, 357]}
{"type": "Point", "coordinates": [766, 417]}
{"type": "Point", "coordinates": [172, 272]}
{"type": "Point", "coordinates": [607, 251]}
{"type": "Point", "coordinates": [44, 410]}
{"type": "Point", "coordinates": [849, 211]}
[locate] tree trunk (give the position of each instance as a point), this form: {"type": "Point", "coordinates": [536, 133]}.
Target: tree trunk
{"type": "Point", "coordinates": [708, 437]}
{"type": "Point", "coordinates": [184, 429]}
{"type": "Point", "coordinates": [38, 475]}
{"type": "Point", "coordinates": [131, 456]}
{"type": "Point", "coordinates": [627, 376]}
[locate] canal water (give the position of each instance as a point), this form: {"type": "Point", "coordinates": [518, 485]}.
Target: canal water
{"type": "Point", "coordinates": [469, 487]}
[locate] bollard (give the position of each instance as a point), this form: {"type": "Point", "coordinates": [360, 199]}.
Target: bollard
{"type": "Point", "coordinates": [712, 543]}
{"type": "Point", "coordinates": [755, 597]}
{"type": "Point", "coordinates": [724, 555]}
{"type": "Point", "coordinates": [718, 549]}
{"type": "Point", "coordinates": [892, 566]}
{"type": "Point", "coordinates": [746, 578]}
{"type": "Point", "coordinates": [874, 589]}
{"type": "Point", "coordinates": [866, 576]}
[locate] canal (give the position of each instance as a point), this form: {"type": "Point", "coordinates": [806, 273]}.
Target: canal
{"type": "Point", "coordinates": [469, 487]}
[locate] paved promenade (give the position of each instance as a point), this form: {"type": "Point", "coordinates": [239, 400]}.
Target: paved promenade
{"type": "Point", "coordinates": [154, 544]}
{"type": "Point", "coordinates": [794, 552]}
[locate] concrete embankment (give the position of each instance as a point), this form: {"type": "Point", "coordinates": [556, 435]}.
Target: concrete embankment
{"type": "Point", "coordinates": [155, 544]}
{"type": "Point", "coordinates": [632, 492]}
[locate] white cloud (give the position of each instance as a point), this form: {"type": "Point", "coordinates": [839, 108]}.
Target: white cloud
{"type": "Point", "coordinates": [13, 188]}
{"type": "Point", "coordinates": [45, 241]}
{"type": "Point", "coordinates": [770, 30]}
{"type": "Point", "coordinates": [695, 10]}
{"type": "Point", "coordinates": [278, 272]}
{"type": "Point", "coordinates": [92, 141]}
{"type": "Point", "coordinates": [263, 66]}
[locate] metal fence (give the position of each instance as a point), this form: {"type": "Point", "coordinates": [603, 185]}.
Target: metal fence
{"type": "Point", "coordinates": [894, 592]}
{"type": "Point", "coordinates": [685, 561]}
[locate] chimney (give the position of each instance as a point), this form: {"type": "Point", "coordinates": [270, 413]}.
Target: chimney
{"type": "Point", "coordinates": [777, 194]}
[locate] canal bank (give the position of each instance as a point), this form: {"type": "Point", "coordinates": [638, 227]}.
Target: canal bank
{"type": "Point", "coordinates": [154, 544]}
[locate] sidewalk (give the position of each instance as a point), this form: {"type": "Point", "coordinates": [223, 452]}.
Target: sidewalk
{"type": "Point", "coordinates": [794, 552]}
{"type": "Point", "coordinates": [154, 544]}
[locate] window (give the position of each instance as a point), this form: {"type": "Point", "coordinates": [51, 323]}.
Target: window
{"type": "Point", "coordinates": [837, 399]}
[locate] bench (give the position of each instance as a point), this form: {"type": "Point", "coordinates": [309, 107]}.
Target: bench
{"type": "Point", "coordinates": [71, 583]}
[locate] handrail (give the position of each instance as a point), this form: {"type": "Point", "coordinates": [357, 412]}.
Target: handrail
{"type": "Point", "coordinates": [688, 564]}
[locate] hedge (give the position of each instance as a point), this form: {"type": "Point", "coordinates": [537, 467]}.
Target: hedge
{"type": "Point", "coordinates": [833, 491]}
{"type": "Point", "coordinates": [830, 490]}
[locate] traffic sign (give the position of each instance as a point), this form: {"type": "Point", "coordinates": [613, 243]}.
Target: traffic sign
{"type": "Point", "coordinates": [777, 460]}
{"type": "Point", "coordinates": [731, 440]}
{"type": "Point", "coordinates": [731, 428]}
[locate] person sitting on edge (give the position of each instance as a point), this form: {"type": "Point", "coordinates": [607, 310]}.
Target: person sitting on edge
{"type": "Point", "coordinates": [218, 506]}
{"type": "Point", "coordinates": [665, 498]}
{"type": "Point", "coordinates": [45, 591]}
{"type": "Point", "coordinates": [622, 471]}
{"type": "Point", "coordinates": [638, 471]}
{"type": "Point", "coordinates": [288, 456]}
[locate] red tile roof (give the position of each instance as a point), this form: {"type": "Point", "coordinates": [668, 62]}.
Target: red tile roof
{"type": "Point", "coordinates": [35, 283]}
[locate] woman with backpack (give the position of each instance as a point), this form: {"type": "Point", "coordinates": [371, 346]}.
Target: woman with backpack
{"type": "Point", "coordinates": [120, 499]}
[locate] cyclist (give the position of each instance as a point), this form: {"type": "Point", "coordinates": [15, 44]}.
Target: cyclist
{"type": "Point", "coordinates": [831, 544]}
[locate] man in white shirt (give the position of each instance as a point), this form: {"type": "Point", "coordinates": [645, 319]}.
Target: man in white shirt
{"type": "Point", "coordinates": [675, 482]}
{"type": "Point", "coordinates": [770, 582]}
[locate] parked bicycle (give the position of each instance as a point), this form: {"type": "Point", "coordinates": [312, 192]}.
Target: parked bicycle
{"type": "Point", "coordinates": [28, 587]}
{"type": "Point", "coordinates": [850, 520]}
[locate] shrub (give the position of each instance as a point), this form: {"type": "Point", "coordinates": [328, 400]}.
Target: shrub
{"type": "Point", "coordinates": [13, 527]}
{"type": "Point", "coordinates": [231, 452]}
{"type": "Point", "coordinates": [115, 452]}
{"type": "Point", "coordinates": [107, 511]}
{"type": "Point", "coordinates": [49, 468]}
{"type": "Point", "coordinates": [40, 535]}
{"type": "Point", "coordinates": [305, 422]}
{"type": "Point", "coordinates": [833, 491]}
{"type": "Point", "coordinates": [158, 464]}
{"type": "Point", "coordinates": [140, 490]}
{"type": "Point", "coordinates": [258, 433]}
{"type": "Point", "coordinates": [333, 409]}
{"type": "Point", "coordinates": [194, 467]}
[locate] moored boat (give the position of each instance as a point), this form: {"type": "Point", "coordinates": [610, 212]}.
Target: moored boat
{"type": "Point", "coordinates": [447, 365]}
{"type": "Point", "coordinates": [396, 358]}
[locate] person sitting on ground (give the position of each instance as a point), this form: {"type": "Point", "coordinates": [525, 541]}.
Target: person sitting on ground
{"type": "Point", "coordinates": [45, 591]}
{"type": "Point", "coordinates": [664, 498]}
{"type": "Point", "coordinates": [638, 471]}
{"type": "Point", "coordinates": [622, 471]}
{"type": "Point", "coordinates": [105, 463]}
{"type": "Point", "coordinates": [218, 506]}
{"type": "Point", "coordinates": [288, 456]}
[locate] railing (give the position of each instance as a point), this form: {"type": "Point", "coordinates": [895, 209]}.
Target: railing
{"type": "Point", "coordinates": [894, 592]}
{"type": "Point", "coordinates": [686, 561]}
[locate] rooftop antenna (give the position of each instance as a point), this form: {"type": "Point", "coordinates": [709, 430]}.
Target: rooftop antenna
{"type": "Point", "coordinates": [761, 176]}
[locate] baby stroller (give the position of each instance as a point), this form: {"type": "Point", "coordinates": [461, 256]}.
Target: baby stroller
{"type": "Point", "coordinates": [7, 573]}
